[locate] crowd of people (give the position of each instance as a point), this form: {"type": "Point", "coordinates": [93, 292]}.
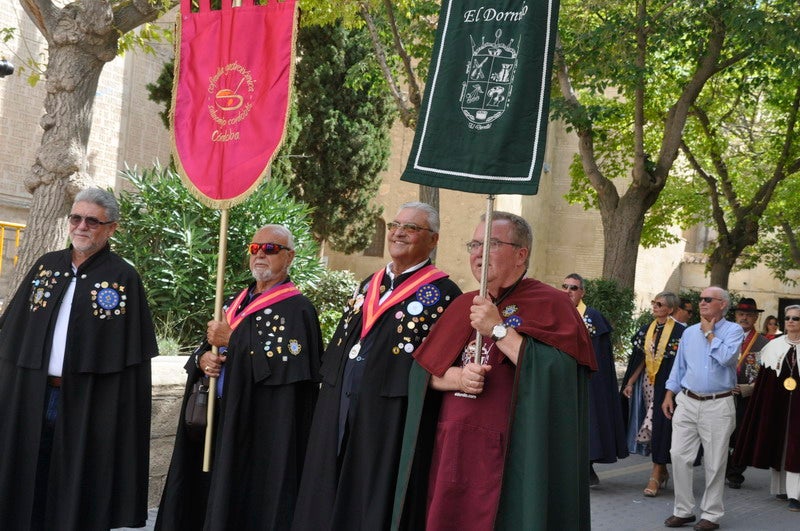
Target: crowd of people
{"type": "Point", "coordinates": [428, 409]}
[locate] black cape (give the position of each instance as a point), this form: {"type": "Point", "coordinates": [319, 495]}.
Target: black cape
{"type": "Point", "coordinates": [606, 427]}
{"type": "Point", "coordinates": [354, 490]}
{"type": "Point", "coordinates": [100, 459]}
{"type": "Point", "coordinates": [261, 432]}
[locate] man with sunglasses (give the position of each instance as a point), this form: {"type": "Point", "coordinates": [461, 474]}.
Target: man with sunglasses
{"type": "Point", "coordinates": [699, 400]}
{"type": "Point", "coordinates": [606, 429]}
{"type": "Point", "coordinates": [75, 347]}
{"type": "Point", "coordinates": [684, 312]}
{"type": "Point", "coordinates": [501, 443]}
{"type": "Point", "coordinates": [351, 465]}
{"type": "Point", "coordinates": [267, 379]}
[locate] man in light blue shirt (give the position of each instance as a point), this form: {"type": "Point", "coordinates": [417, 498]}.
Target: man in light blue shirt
{"type": "Point", "coordinates": [699, 400]}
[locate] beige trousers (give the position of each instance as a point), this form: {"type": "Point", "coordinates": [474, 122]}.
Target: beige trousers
{"type": "Point", "coordinates": [710, 423]}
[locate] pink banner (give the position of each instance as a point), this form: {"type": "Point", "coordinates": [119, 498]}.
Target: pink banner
{"type": "Point", "coordinates": [233, 76]}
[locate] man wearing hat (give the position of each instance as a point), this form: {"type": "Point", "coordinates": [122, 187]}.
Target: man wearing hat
{"type": "Point", "coordinates": [746, 315]}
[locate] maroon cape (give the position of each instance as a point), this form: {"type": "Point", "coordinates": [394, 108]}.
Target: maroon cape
{"type": "Point", "coordinates": [552, 322]}
{"type": "Point", "coordinates": [771, 408]}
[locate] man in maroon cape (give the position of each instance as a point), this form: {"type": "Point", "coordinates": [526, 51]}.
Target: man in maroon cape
{"type": "Point", "coordinates": [506, 439]}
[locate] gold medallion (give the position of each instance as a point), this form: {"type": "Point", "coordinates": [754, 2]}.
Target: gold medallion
{"type": "Point", "coordinates": [790, 384]}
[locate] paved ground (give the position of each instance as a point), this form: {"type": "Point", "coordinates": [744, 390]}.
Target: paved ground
{"type": "Point", "coordinates": [618, 503]}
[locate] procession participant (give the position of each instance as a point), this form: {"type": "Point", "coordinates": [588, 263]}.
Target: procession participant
{"type": "Point", "coordinates": [746, 315]}
{"type": "Point", "coordinates": [770, 433]}
{"type": "Point", "coordinates": [75, 348]}
{"type": "Point", "coordinates": [502, 444]}
{"type": "Point", "coordinates": [655, 345]}
{"type": "Point", "coordinates": [268, 378]}
{"type": "Point", "coordinates": [606, 429]}
{"type": "Point", "coordinates": [351, 464]}
{"type": "Point", "coordinates": [699, 401]}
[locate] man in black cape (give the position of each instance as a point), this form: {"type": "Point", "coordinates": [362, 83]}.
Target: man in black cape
{"type": "Point", "coordinates": [606, 427]}
{"type": "Point", "coordinates": [268, 376]}
{"type": "Point", "coordinates": [75, 348]}
{"type": "Point", "coordinates": [351, 465]}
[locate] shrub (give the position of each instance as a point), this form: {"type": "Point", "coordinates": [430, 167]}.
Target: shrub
{"type": "Point", "coordinates": [329, 293]}
{"type": "Point", "coordinates": [616, 304]}
{"type": "Point", "coordinates": [172, 240]}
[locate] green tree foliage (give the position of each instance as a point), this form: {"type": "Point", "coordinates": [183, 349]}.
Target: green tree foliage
{"type": "Point", "coordinates": [343, 142]}
{"type": "Point", "coordinates": [779, 244]}
{"type": "Point", "coordinates": [616, 304]}
{"type": "Point", "coordinates": [401, 33]}
{"type": "Point", "coordinates": [741, 145]}
{"type": "Point", "coordinates": [629, 74]}
{"type": "Point", "coordinates": [172, 240]}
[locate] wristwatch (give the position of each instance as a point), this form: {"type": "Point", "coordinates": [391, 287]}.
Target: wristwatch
{"type": "Point", "coordinates": [499, 332]}
{"type": "Point", "coordinates": [708, 333]}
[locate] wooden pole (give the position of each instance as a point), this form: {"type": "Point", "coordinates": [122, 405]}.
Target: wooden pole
{"type": "Point", "coordinates": [487, 235]}
{"type": "Point", "coordinates": [218, 300]}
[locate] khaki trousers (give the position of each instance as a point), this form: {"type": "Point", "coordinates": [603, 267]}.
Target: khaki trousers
{"type": "Point", "coordinates": [710, 423]}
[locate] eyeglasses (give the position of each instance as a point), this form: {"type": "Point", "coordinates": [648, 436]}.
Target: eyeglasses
{"type": "Point", "coordinates": [709, 299]}
{"type": "Point", "coordinates": [266, 248]}
{"type": "Point", "coordinates": [412, 228]}
{"type": "Point", "coordinates": [571, 287]}
{"type": "Point", "coordinates": [494, 244]}
{"type": "Point", "coordinates": [91, 222]}
{"type": "Point", "coordinates": [657, 304]}
{"type": "Point", "coordinates": [791, 318]}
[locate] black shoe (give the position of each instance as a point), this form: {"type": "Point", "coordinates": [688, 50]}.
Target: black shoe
{"type": "Point", "coordinates": [794, 505]}
{"type": "Point", "coordinates": [593, 479]}
{"type": "Point", "coordinates": [734, 484]}
{"type": "Point", "coordinates": [782, 496]}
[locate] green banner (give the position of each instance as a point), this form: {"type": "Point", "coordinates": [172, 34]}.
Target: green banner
{"type": "Point", "coordinates": [483, 123]}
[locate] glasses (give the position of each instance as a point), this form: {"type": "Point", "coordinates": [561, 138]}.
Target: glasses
{"type": "Point", "coordinates": [570, 287]}
{"type": "Point", "coordinates": [91, 222]}
{"type": "Point", "coordinates": [411, 228]}
{"type": "Point", "coordinates": [494, 245]}
{"type": "Point", "coordinates": [791, 318]}
{"type": "Point", "coordinates": [709, 299]}
{"type": "Point", "coordinates": [266, 248]}
{"type": "Point", "coordinates": [657, 304]}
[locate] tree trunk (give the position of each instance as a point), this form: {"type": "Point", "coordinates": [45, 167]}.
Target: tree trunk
{"type": "Point", "coordinates": [74, 65]}
{"type": "Point", "coordinates": [721, 263]}
{"type": "Point", "coordinates": [430, 195]}
{"type": "Point", "coordinates": [622, 231]}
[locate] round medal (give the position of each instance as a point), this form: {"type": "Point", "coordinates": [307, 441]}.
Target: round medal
{"type": "Point", "coordinates": [415, 308]}
{"type": "Point", "coordinates": [790, 384]}
{"type": "Point", "coordinates": [354, 351]}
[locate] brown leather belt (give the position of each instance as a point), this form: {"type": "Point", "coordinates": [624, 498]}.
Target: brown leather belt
{"type": "Point", "coordinates": [707, 397]}
{"type": "Point", "coordinates": [54, 381]}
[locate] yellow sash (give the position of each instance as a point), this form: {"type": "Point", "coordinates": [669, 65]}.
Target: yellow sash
{"type": "Point", "coordinates": [655, 353]}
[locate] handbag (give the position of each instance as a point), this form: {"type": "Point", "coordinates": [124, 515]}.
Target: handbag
{"type": "Point", "coordinates": [195, 417]}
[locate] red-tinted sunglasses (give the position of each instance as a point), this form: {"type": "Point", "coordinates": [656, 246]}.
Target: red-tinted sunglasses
{"type": "Point", "coordinates": [266, 248]}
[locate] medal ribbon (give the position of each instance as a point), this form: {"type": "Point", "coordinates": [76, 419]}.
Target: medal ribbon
{"type": "Point", "coordinates": [268, 298]}
{"type": "Point", "coordinates": [373, 308]}
{"type": "Point", "coordinates": [746, 350]}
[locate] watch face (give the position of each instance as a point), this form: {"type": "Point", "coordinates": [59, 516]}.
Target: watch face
{"type": "Point", "coordinates": [499, 331]}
